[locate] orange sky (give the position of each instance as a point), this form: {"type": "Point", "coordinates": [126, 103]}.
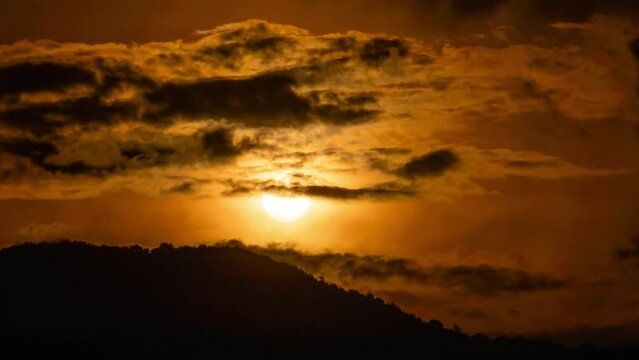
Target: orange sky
{"type": "Point", "coordinates": [490, 147]}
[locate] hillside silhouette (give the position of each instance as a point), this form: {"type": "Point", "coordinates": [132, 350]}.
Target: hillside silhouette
{"type": "Point", "coordinates": [76, 300]}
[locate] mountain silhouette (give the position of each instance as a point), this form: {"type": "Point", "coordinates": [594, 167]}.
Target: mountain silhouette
{"type": "Point", "coordinates": [76, 300]}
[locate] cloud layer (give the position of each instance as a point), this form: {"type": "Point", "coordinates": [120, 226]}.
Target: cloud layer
{"type": "Point", "coordinates": [481, 280]}
{"type": "Point", "coordinates": [246, 104]}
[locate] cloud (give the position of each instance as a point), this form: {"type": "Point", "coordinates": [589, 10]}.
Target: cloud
{"type": "Point", "coordinates": [47, 118]}
{"type": "Point", "coordinates": [265, 100]}
{"type": "Point", "coordinates": [46, 76]}
{"type": "Point", "coordinates": [219, 144]}
{"type": "Point", "coordinates": [211, 146]}
{"type": "Point", "coordinates": [481, 280]}
{"type": "Point", "coordinates": [378, 192]}
{"type": "Point", "coordinates": [526, 164]}
{"type": "Point", "coordinates": [187, 187]}
{"type": "Point", "coordinates": [36, 151]}
{"type": "Point", "coordinates": [634, 47]}
{"type": "Point", "coordinates": [631, 252]}
{"type": "Point", "coordinates": [164, 83]}
{"type": "Point", "coordinates": [487, 280]}
{"type": "Point", "coordinates": [253, 99]}
{"type": "Point", "coordinates": [376, 50]}
{"type": "Point", "coordinates": [434, 163]}
{"type": "Point", "coordinates": [391, 150]}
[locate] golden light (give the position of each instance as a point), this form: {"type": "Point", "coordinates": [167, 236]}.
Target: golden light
{"type": "Point", "coordinates": [285, 209]}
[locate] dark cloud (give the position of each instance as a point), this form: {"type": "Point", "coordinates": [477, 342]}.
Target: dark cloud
{"type": "Point", "coordinates": [631, 252]}
{"type": "Point", "coordinates": [39, 151]}
{"type": "Point", "coordinates": [624, 334]}
{"type": "Point", "coordinates": [434, 163]}
{"type": "Point", "coordinates": [391, 150]}
{"type": "Point", "coordinates": [340, 193]}
{"type": "Point", "coordinates": [46, 76]}
{"type": "Point", "coordinates": [36, 151]}
{"type": "Point", "coordinates": [231, 54]}
{"type": "Point", "coordinates": [379, 192]}
{"type": "Point", "coordinates": [46, 118]}
{"type": "Point", "coordinates": [379, 158]}
{"type": "Point", "coordinates": [80, 167]}
{"type": "Point", "coordinates": [634, 47]}
{"type": "Point", "coordinates": [376, 50]}
{"type": "Point", "coordinates": [219, 143]}
{"type": "Point", "coordinates": [146, 154]}
{"type": "Point", "coordinates": [213, 146]}
{"type": "Point", "coordinates": [529, 164]}
{"type": "Point", "coordinates": [488, 280]}
{"type": "Point", "coordinates": [115, 74]}
{"type": "Point", "coordinates": [343, 108]}
{"type": "Point", "coordinates": [481, 280]}
{"type": "Point", "coordinates": [187, 187]}
{"type": "Point", "coordinates": [264, 100]}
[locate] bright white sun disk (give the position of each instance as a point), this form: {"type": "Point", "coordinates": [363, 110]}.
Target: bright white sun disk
{"type": "Point", "coordinates": [285, 209]}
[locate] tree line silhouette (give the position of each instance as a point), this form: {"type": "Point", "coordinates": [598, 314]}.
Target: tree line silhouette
{"type": "Point", "coordinates": [78, 300]}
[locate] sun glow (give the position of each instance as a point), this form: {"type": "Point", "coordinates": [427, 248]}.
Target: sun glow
{"type": "Point", "coordinates": [285, 209]}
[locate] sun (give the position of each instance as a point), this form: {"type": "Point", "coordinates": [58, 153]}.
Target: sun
{"type": "Point", "coordinates": [285, 209]}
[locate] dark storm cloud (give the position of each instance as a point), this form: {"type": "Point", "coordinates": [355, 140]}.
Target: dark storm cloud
{"type": "Point", "coordinates": [434, 163]}
{"type": "Point", "coordinates": [481, 280]}
{"type": "Point", "coordinates": [379, 192]}
{"type": "Point", "coordinates": [46, 76]}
